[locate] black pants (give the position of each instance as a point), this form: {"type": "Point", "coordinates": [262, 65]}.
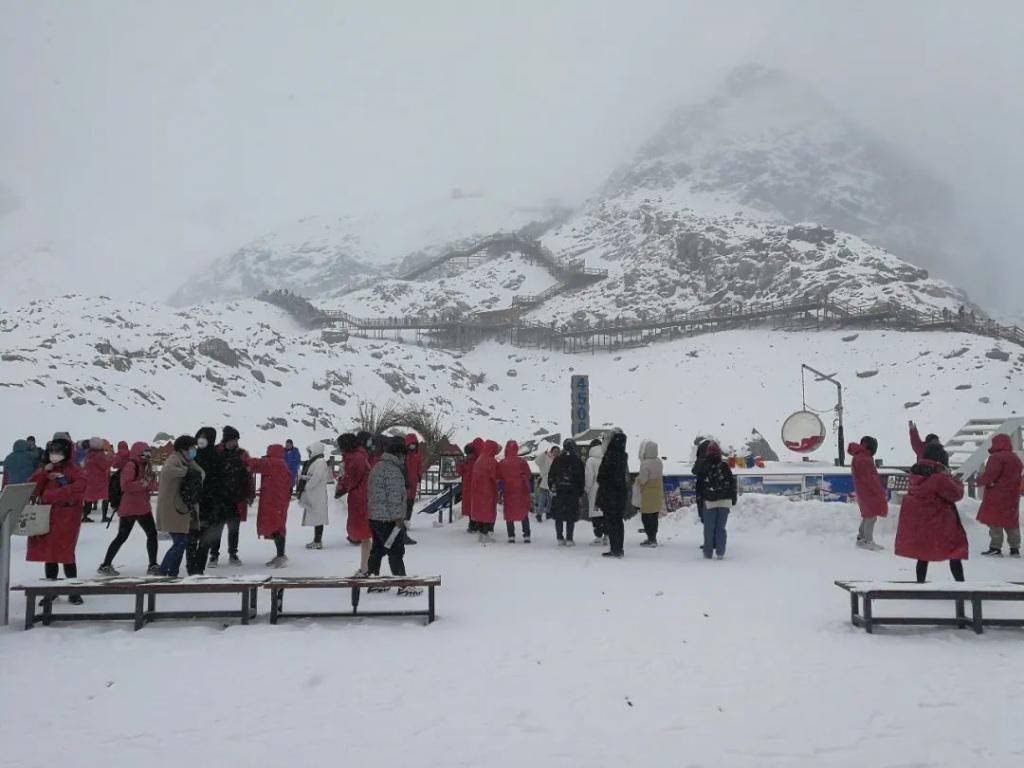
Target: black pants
{"type": "Point", "coordinates": [124, 529]}
{"type": "Point", "coordinates": [564, 529]}
{"type": "Point", "coordinates": [598, 523]}
{"type": "Point", "coordinates": [615, 528]}
{"type": "Point", "coordinates": [485, 527]}
{"type": "Point", "coordinates": [318, 534]}
{"type": "Point", "coordinates": [956, 567]}
{"type": "Point", "coordinates": [650, 522]}
{"type": "Point", "coordinates": [232, 526]}
{"type": "Point", "coordinates": [381, 530]}
{"type": "Point", "coordinates": [473, 527]}
{"type": "Point", "coordinates": [200, 545]}
{"type": "Point", "coordinates": [90, 506]}
{"type": "Point", "coordinates": [52, 569]}
{"type": "Point", "coordinates": [511, 528]}
{"type": "Point", "coordinates": [409, 504]}
{"type": "Point", "coordinates": [279, 544]}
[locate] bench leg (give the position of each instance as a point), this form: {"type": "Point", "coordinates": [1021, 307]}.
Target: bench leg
{"type": "Point", "coordinates": [355, 600]}
{"type": "Point", "coordinates": [961, 616]}
{"type": "Point", "coordinates": [253, 601]}
{"type": "Point", "coordinates": [430, 606]}
{"type": "Point", "coordinates": [30, 609]}
{"type": "Point", "coordinates": [867, 615]}
{"type": "Point", "coordinates": [48, 610]}
{"type": "Point", "coordinates": [151, 602]}
{"type": "Point", "coordinates": [976, 615]}
{"type": "Point", "coordinates": [273, 604]}
{"type": "Point", "coordinates": [245, 606]}
{"type": "Point", "coordinates": [853, 608]}
{"type": "Point", "coordinates": [140, 616]}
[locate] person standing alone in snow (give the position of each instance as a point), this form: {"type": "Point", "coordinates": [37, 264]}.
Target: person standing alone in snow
{"type": "Point", "coordinates": [871, 495]}
{"type": "Point", "coordinates": [1000, 504]}
{"type": "Point", "coordinates": [929, 528]}
{"type": "Point", "coordinates": [514, 474]}
{"type": "Point", "coordinates": [650, 479]}
{"type": "Point", "coordinates": [719, 494]}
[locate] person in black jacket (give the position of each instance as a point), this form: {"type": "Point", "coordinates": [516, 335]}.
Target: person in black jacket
{"type": "Point", "coordinates": [700, 468]}
{"type": "Point", "coordinates": [567, 481]}
{"type": "Point", "coordinates": [239, 492]}
{"type": "Point", "coordinates": [719, 494]}
{"type": "Point", "coordinates": [208, 528]}
{"type": "Point", "coordinates": [613, 492]}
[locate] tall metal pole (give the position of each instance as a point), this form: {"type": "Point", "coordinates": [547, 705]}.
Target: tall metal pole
{"type": "Point", "coordinates": [840, 431]}
{"type": "Point", "coordinates": [6, 528]}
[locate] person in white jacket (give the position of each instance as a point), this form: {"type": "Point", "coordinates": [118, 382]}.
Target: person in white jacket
{"type": "Point", "coordinates": [313, 496]}
{"type": "Point", "coordinates": [594, 457]}
{"type": "Point", "coordinates": [544, 461]}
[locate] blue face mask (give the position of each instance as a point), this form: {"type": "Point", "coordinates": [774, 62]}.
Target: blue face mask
{"type": "Point", "coordinates": [191, 455]}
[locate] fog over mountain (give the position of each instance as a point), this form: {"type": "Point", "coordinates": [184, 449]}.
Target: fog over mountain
{"type": "Point", "coordinates": [153, 139]}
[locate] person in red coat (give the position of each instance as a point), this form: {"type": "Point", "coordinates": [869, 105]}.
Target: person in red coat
{"type": "Point", "coordinates": [514, 474]}
{"type": "Point", "coordinates": [60, 484]}
{"type": "Point", "coordinates": [97, 479]}
{"type": "Point", "coordinates": [137, 482]}
{"type": "Point", "coordinates": [353, 485]}
{"type": "Point", "coordinates": [929, 528]}
{"type": "Point", "coordinates": [1000, 505]}
{"type": "Point", "coordinates": [485, 490]}
{"type": "Point", "coordinates": [413, 474]}
{"type": "Point", "coordinates": [275, 496]}
{"type": "Point", "coordinates": [121, 457]}
{"type": "Point", "coordinates": [871, 495]}
{"type": "Point", "coordinates": [466, 473]}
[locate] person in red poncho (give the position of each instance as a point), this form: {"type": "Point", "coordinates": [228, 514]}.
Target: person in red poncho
{"type": "Point", "coordinates": [60, 484]}
{"type": "Point", "coordinates": [466, 472]}
{"type": "Point", "coordinates": [413, 474]}
{"type": "Point", "coordinates": [121, 457]}
{"type": "Point", "coordinates": [275, 496]}
{"type": "Point", "coordinates": [871, 495]}
{"type": "Point", "coordinates": [929, 528]}
{"type": "Point", "coordinates": [1000, 504]}
{"type": "Point", "coordinates": [514, 474]}
{"type": "Point", "coordinates": [97, 478]}
{"type": "Point", "coordinates": [353, 485]}
{"type": "Point", "coordinates": [485, 490]}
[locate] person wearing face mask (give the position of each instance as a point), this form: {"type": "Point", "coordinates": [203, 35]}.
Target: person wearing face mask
{"type": "Point", "coordinates": [60, 484]}
{"type": "Point", "coordinates": [210, 523]}
{"type": "Point", "coordinates": [137, 483]}
{"type": "Point", "coordinates": [177, 500]}
{"type": "Point", "coordinates": [239, 493]}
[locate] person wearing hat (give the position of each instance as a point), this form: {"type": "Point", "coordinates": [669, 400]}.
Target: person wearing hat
{"type": "Point", "coordinates": [719, 494]}
{"type": "Point", "coordinates": [177, 503]}
{"type": "Point", "coordinates": [386, 492]}
{"type": "Point", "coordinates": [60, 484]}
{"type": "Point", "coordinates": [868, 490]}
{"type": "Point", "coordinates": [239, 493]}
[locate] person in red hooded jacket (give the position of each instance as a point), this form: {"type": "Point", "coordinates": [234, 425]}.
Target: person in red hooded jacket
{"type": "Point", "coordinates": [275, 496]}
{"type": "Point", "coordinates": [413, 474]}
{"type": "Point", "coordinates": [1000, 504]}
{"type": "Point", "coordinates": [871, 495]}
{"type": "Point", "coordinates": [60, 484]}
{"type": "Point", "coordinates": [353, 484]}
{"type": "Point", "coordinates": [485, 490]}
{"type": "Point", "coordinates": [514, 474]}
{"type": "Point", "coordinates": [121, 457]}
{"type": "Point", "coordinates": [137, 482]}
{"type": "Point", "coordinates": [929, 528]}
{"type": "Point", "coordinates": [466, 472]}
{"type": "Point", "coordinates": [97, 479]}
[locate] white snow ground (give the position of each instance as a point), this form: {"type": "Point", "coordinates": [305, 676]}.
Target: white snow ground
{"type": "Point", "coordinates": [541, 656]}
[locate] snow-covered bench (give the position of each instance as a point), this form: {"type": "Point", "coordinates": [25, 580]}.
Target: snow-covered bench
{"type": "Point", "coordinates": [144, 592]}
{"type": "Point", "coordinates": [278, 586]}
{"type": "Point", "coordinates": [960, 593]}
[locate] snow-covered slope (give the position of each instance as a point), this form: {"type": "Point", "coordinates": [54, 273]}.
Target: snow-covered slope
{"type": "Point", "coordinates": [91, 366]}
{"type": "Point", "coordinates": [322, 256]}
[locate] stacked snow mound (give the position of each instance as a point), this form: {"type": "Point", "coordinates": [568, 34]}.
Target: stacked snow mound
{"type": "Point", "coordinates": [490, 285]}
{"type": "Point", "coordinates": [325, 256]}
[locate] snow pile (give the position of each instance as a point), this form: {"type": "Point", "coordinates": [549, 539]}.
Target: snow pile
{"type": "Point", "coordinates": [746, 662]}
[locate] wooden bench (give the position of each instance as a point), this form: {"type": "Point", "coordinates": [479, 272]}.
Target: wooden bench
{"type": "Point", "coordinates": [960, 593]}
{"type": "Point", "coordinates": [278, 586]}
{"type": "Point", "coordinates": [144, 591]}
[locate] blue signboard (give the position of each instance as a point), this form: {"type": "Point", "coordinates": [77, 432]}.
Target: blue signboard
{"type": "Point", "coordinates": [580, 404]}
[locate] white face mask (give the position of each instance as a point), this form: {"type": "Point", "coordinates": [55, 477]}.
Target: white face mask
{"type": "Point", "coordinates": [56, 458]}
{"type": "Point", "coordinates": [202, 442]}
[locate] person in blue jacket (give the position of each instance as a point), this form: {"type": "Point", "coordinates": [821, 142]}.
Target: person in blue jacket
{"type": "Point", "coordinates": [20, 463]}
{"type": "Point", "coordinates": [293, 458]}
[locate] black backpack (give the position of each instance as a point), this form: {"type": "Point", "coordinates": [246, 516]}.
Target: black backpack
{"type": "Point", "coordinates": [114, 492]}
{"type": "Point", "coordinates": [717, 482]}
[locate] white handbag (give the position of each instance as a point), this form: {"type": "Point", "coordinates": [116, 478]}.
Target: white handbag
{"type": "Point", "coordinates": [34, 520]}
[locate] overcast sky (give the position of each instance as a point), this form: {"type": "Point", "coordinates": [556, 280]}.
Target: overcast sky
{"type": "Point", "coordinates": [175, 131]}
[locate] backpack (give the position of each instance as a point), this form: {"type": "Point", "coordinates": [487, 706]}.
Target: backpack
{"type": "Point", "coordinates": [717, 482]}
{"type": "Point", "coordinates": [114, 492]}
{"type": "Point", "coordinates": [191, 489]}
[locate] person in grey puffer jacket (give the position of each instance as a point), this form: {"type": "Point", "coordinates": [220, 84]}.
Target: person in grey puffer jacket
{"type": "Point", "coordinates": [386, 490]}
